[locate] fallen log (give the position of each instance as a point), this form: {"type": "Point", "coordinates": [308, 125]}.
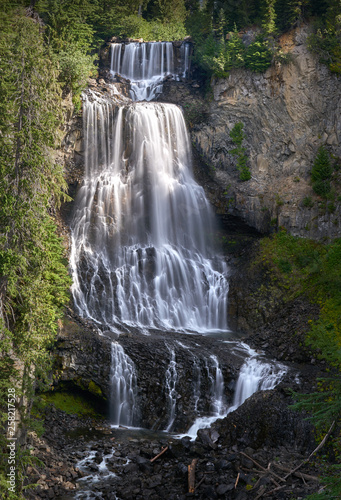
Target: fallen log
{"type": "Point", "coordinates": [159, 455]}
{"type": "Point", "coordinates": [301, 475]}
{"type": "Point", "coordinates": [261, 467]}
{"type": "Point", "coordinates": [312, 453]}
{"type": "Point", "coordinates": [191, 475]}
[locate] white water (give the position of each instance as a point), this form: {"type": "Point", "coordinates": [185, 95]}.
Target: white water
{"type": "Point", "coordinates": [123, 387]}
{"type": "Point", "coordinates": [103, 474]}
{"type": "Point", "coordinates": [171, 379]}
{"type": "Point", "coordinates": [254, 375]}
{"type": "Point", "coordinates": [142, 226]}
{"type": "Point", "coordinates": [147, 64]}
{"type": "Point", "coordinates": [218, 405]}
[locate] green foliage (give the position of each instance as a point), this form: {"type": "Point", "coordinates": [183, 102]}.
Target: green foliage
{"type": "Point", "coordinates": [218, 56]}
{"type": "Point", "coordinates": [326, 39]}
{"type": "Point", "coordinates": [75, 68]}
{"type": "Point", "coordinates": [137, 27]}
{"type": "Point", "coordinates": [291, 13]}
{"type": "Point", "coordinates": [70, 402]}
{"type": "Point", "coordinates": [269, 17]}
{"type": "Point", "coordinates": [258, 56]}
{"type": "Point", "coordinates": [34, 280]}
{"type": "Point", "coordinates": [321, 173]}
{"type": "Point", "coordinates": [311, 269]}
{"type": "Point", "coordinates": [237, 135]}
{"type": "Point", "coordinates": [308, 202]}
{"type": "Point", "coordinates": [70, 36]}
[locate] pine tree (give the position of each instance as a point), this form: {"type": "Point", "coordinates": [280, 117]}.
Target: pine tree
{"type": "Point", "coordinates": [34, 280]}
{"type": "Point", "coordinates": [321, 172]}
{"type": "Point", "coordinates": [172, 11]}
{"type": "Point", "coordinates": [269, 17]}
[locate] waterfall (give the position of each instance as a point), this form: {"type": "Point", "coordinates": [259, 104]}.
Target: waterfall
{"type": "Point", "coordinates": [141, 231]}
{"type": "Point", "coordinates": [196, 382]}
{"type": "Point", "coordinates": [171, 378]}
{"type": "Point", "coordinates": [218, 406]}
{"type": "Point", "coordinates": [123, 387]}
{"type": "Point", "coordinates": [147, 64]}
{"type": "Point", "coordinates": [185, 52]}
{"type": "Point", "coordinates": [254, 375]}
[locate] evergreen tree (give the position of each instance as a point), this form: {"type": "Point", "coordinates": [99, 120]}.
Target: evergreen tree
{"type": "Point", "coordinates": [34, 281]}
{"type": "Point", "coordinates": [321, 172]}
{"type": "Point", "coordinates": [269, 17]}
{"type": "Point", "coordinates": [172, 11]}
{"type": "Point", "coordinates": [70, 35]}
{"type": "Point", "coordinates": [290, 13]}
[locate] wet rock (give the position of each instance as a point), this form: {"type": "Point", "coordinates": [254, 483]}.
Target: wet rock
{"type": "Point", "coordinates": [224, 488]}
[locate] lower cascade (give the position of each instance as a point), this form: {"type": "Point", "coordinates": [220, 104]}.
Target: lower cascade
{"type": "Point", "coordinates": [254, 375]}
{"type": "Point", "coordinates": [171, 378]}
{"type": "Point", "coordinates": [123, 410]}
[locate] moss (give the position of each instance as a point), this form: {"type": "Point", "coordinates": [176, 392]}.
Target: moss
{"type": "Point", "coordinates": [71, 403]}
{"type": "Point", "coordinates": [95, 389]}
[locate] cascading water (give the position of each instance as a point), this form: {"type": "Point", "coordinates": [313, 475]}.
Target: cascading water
{"type": "Point", "coordinates": [185, 53]}
{"type": "Point", "coordinates": [254, 375]}
{"type": "Point", "coordinates": [123, 387]}
{"type": "Point", "coordinates": [141, 230]}
{"type": "Point", "coordinates": [142, 225]}
{"type": "Point", "coordinates": [171, 378]}
{"type": "Point", "coordinates": [147, 64]}
{"type": "Point", "coordinates": [218, 406]}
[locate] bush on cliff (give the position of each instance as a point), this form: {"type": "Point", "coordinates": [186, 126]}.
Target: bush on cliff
{"type": "Point", "coordinates": [321, 173]}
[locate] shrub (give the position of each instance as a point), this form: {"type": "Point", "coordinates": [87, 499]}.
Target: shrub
{"type": "Point", "coordinates": [321, 173]}
{"type": "Point", "coordinates": [322, 168]}
{"type": "Point", "coordinates": [308, 202]}
{"type": "Point", "coordinates": [75, 68]}
{"type": "Point", "coordinates": [258, 56]}
{"type": "Point", "coordinates": [136, 27]}
{"type": "Point", "coordinates": [237, 135]}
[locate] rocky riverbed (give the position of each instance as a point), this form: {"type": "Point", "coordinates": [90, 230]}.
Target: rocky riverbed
{"type": "Point", "coordinates": [249, 454]}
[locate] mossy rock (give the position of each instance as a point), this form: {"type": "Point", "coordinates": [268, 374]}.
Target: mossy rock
{"type": "Point", "coordinates": [95, 389]}
{"type": "Point", "coordinates": [71, 403]}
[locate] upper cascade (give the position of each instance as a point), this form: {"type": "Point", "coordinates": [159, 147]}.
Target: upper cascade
{"type": "Point", "coordinates": [147, 64]}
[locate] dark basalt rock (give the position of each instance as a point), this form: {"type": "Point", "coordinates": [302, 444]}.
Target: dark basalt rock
{"type": "Point", "coordinates": [262, 430]}
{"type": "Point", "coordinates": [83, 358]}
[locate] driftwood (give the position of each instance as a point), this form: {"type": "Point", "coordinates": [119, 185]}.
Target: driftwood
{"type": "Point", "coordinates": [159, 455]}
{"type": "Point", "coordinates": [261, 467]}
{"type": "Point", "coordinates": [313, 452]}
{"type": "Point", "coordinates": [191, 476]}
{"type": "Point", "coordinates": [262, 471]}
{"type": "Point", "coordinates": [301, 475]}
{"type": "Point", "coordinates": [200, 482]}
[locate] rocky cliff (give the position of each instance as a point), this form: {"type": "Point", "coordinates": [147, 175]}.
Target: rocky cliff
{"type": "Point", "coordinates": [287, 112]}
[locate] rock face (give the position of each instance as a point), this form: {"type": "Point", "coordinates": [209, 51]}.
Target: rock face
{"type": "Point", "coordinates": [83, 358]}
{"type": "Point", "coordinates": [287, 112]}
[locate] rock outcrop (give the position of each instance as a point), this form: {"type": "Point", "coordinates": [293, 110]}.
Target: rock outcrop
{"type": "Point", "coordinates": [83, 358]}
{"type": "Point", "coordinates": [287, 112]}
